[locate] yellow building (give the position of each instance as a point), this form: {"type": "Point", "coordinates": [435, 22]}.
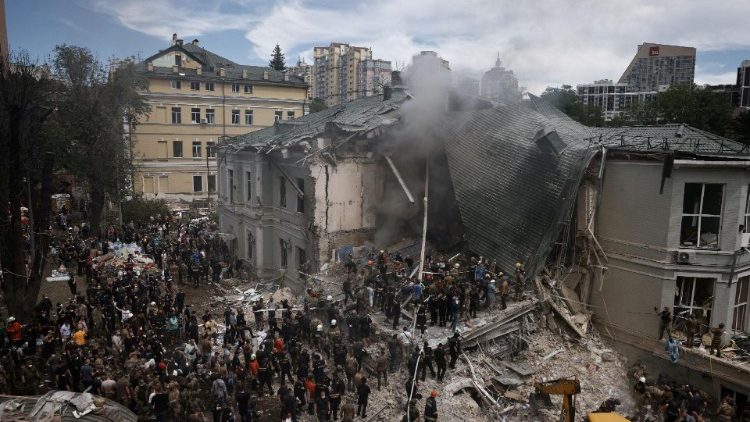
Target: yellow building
{"type": "Point", "coordinates": [197, 98]}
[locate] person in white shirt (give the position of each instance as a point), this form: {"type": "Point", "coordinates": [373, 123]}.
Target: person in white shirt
{"type": "Point", "coordinates": [406, 341]}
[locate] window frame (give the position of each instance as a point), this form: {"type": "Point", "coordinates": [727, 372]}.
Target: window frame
{"type": "Point", "coordinates": [282, 192]}
{"type": "Point", "coordinates": [740, 304]}
{"type": "Point", "coordinates": [278, 116]}
{"type": "Point", "coordinates": [248, 89]}
{"type": "Point", "coordinates": [248, 113]}
{"type": "Point", "coordinates": [209, 184]}
{"type": "Point", "coordinates": [301, 257]}
{"type": "Point", "coordinates": [283, 254]}
{"type": "Point", "coordinates": [249, 187]}
{"type": "Point", "coordinates": [235, 117]}
{"type": "Point", "coordinates": [209, 86]}
{"type": "Point", "coordinates": [195, 115]}
{"type": "Point", "coordinates": [700, 216]}
{"type": "Point", "coordinates": [176, 115]}
{"type": "Point", "coordinates": [174, 150]}
{"type": "Point", "coordinates": [211, 116]}
{"type": "Point", "coordinates": [290, 115]}
{"type": "Point", "coordinates": [197, 147]}
{"type": "Point", "coordinates": [175, 84]}
{"type": "Point", "coordinates": [235, 88]}
{"type": "Point", "coordinates": [691, 306]}
{"type": "Point", "coordinates": [300, 199]}
{"type": "Point", "coordinates": [211, 149]}
{"type": "Point", "coordinates": [249, 245]}
{"type": "Point", "coordinates": [195, 85]}
{"type": "Point", "coordinates": [197, 177]}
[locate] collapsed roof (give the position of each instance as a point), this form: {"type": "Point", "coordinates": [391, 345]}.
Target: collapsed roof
{"type": "Point", "coordinates": [515, 169]}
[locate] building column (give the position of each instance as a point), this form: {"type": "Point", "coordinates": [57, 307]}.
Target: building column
{"type": "Point", "coordinates": [723, 303]}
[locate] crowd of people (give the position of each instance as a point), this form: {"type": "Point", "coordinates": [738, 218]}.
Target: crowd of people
{"type": "Point", "coordinates": [128, 334]}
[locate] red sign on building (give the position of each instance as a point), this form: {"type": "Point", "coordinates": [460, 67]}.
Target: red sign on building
{"type": "Point", "coordinates": [653, 51]}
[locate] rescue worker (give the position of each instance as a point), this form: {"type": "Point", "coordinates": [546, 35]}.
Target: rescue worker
{"type": "Point", "coordinates": [717, 333]}
{"type": "Point", "coordinates": [454, 347]}
{"type": "Point", "coordinates": [440, 361]}
{"type": "Point", "coordinates": [691, 328]}
{"type": "Point", "coordinates": [430, 408]}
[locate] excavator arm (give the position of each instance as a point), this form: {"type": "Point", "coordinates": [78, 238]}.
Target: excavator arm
{"type": "Point", "coordinates": [567, 388]}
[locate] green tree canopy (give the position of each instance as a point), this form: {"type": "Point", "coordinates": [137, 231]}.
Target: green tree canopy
{"type": "Point", "coordinates": [317, 105]}
{"type": "Point", "coordinates": [566, 100]}
{"type": "Point", "coordinates": [277, 59]}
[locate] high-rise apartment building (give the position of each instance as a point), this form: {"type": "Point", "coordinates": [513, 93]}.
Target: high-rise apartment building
{"type": "Point", "coordinates": [656, 66]}
{"type": "Point", "coordinates": [613, 98]}
{"type": "Point", "coordinates": [197, 98]}
{"type": "Point", "coordinates": [500, 84]}
{"type": "Point", "coordinates": [342, 72]}
{"type": "Point", "coordinates": [743, 83]}
{"type": "Point", "coordinates": [302, 71]}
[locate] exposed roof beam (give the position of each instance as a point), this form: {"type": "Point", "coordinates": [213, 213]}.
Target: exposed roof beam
{"type": "Point", "coordinates": [400, 179]}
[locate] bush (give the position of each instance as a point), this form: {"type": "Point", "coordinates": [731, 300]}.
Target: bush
{"type": "Point", "coordinates": [140, 209]}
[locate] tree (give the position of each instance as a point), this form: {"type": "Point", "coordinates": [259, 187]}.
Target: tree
{"type": "Point", "coordinates": [277, 59]}
{"type": "Point", "coordinates": [28, 98]}
{"type": "Point", "coordinates": [97, 108]}
{"type": "Point", "coordinates": [566, 100]}
{"type": "Point", "coordinates": [140, 209]}
{"type": "Point", "coordinates": [317, 105]}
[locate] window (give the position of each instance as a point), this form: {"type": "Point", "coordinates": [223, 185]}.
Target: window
{"type": "Point", "coordinates": [282, 192]}
{"type": "Point", "coordinates": [230, 188]}
{"type": "Point", "coordinates": [740, 304]}
{"type": "Point", "coordinates": [197, 183]}
{"type": "Point", "coordinates": [248, 187]}
{"type": "Point", "coordinates": [290, 115]}
{"type": "Point", "coordinates": [176, 115]}
{"type": "Point", "coordinates": [235, 87]}
{"type": "Point", "coordinates": [176, 84]}
{"type": "Point", "coordinates": [212, 183]}
{"type": "Point", "coordinates": [250, 245]}
{"type": "Point", "coordinates": [248, 89]}
{"type": "Point", "coordinates": [248, 117]}
{"type": "Point", "coordinates": [209, 86]}
{"type": "Point", "coordinates": [178, 60]}
{"type": "Point", "coordinates": [210, 116]}
{"type": "Point", "coordinates": [694, 296]}
{"type": "Point", "coordinates": [747, 212]}
{"type": "Point", "coordinates": [235, 117]}
{"type": "Point", "coordinates": [177, 149]}
{"type": "Point", "coordinates": [195, 115]}
{"type": "Point", "coordinates": [301, 199]}
{"type": "Point", "coordinates": [301, 259]}
{"type": "Point", "coordinates": [283, 253]}
{"type": "Point", "coordinates": [195, 85]}
{"type": "Point", "coordinates": [196, 149]}
{"type": "Point", "coordinates": [277, 115]}
{"type": "Point", "coordinates": [211, 149]}
{"type": "Point", "coordinates": [701, 215]}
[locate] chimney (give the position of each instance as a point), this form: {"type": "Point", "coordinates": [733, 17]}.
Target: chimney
{"type": "Point", "coordinates": [265, 75]}
{"type": "Point", "coordinates": [222, 72]}
{"type": "Point", "coordinates": [286, 77]}
{"type": "Point", "coordinates": [175, 69]}
{"type": "Point", "coordinates": [386, 93]}
{"type": "Point", "coordinates": [150, 66]}
{"type": "Point", "coordinates": [244, 73]}
{"type": "Point", "coordinates": [174, 38]}
{"type": "Point", "coordinates": [196, 42]}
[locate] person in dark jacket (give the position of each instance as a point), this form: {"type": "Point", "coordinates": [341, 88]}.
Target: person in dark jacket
{"type": "Point", "coordinates": [363, 394]}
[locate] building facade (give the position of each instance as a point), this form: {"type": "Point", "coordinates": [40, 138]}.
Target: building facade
{"type": "Point", "coordinates": [302, 71]}
{"type": "Point", "coordinates": [655, 66]}
{"type": "Point", "coordinates": [197, 98]}
{"type": "Point", "coordinates": [374, 75]}
{"type": "Point", "coordinates": [613, 98]}
{"type": "Point", "coordinates": [500, 84]}
{"type": "Point", "coordinates": [743, 83]}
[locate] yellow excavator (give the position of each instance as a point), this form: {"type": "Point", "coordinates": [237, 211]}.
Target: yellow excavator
{"type": "Point", "coordinates": [568, 388]}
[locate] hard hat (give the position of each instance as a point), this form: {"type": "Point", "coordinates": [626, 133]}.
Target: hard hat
{"type": "Point", "coordinates": [11, 319]}
{"type": "Point", "coordinates": [382, 251]}
{"type": "Point", "coordinates": [492, 281]}
{"type": "Point", "coordinates": [457, 265]}
{"type": "Point", "coordinates": [252, 357]}
{"type": "Point", "coordinates": [153, 303]}
{"type": "Point", "coordinates": [329, 297]}
{"type": "Point", "coordinates": [320, 327]}
{"type": "Point", "coordinates": [518, 265]}
{"type": "Point", "coordinates": [642, 379]}
{"type": "Point", "coordinates": [333, 322]}
{"type": "Point", "coordinates": [434, 393]}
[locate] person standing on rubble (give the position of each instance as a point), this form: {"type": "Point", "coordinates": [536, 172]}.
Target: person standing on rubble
{"type": "Point", "coordinates": [455, 307]}
{"type": "Point", "coordinates": [363, 394]}
{"type": "Point", "coordinates": [717, 333]}
{"type": "Point", "coordinates": [396, 312]}
{"type": "Point", "coordinates": [520, 275]}
{"type": "Point", "coordinates": [691, 328]}
{"type": "Point", "coordinates": [430, 408]}
{"type": "Point", "coordinates": [454, 347]}
{"type": "Point", "coordinates": [665, 319]}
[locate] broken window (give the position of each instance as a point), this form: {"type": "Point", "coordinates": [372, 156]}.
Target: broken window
{"type": "Point", "coordinates": [283, 253]}
{"type": "Point", "coordinates": [282, 192]}
{"type": "Point", "coordinates": [701, 215]}
{"type": "Point", "coordinates": [740, 304]}
{"type": "Point", "coordinates": [301, 259]}
{"type": "Point", "coordinates": [250, 245]}
{"type": "Point", "coordinates": [301, 199]}
{"type": "Point", "coordinates": [694, 296]}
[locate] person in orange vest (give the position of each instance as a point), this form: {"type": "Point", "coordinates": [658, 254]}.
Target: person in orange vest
{"type": "Point", "coordinates": [14, 331]}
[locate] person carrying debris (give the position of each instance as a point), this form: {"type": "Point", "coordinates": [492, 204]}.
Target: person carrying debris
{"type": "Point", "coordinates": [717, 333]}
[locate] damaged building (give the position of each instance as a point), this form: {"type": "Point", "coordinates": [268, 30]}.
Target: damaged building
{"type": "Point", "coordinates": [619, 221]}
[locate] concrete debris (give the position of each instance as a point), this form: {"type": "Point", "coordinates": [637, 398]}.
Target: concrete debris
{"type": "Point", "coordinates": [551, 355]}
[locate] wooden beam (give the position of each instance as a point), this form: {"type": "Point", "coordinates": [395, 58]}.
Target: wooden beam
{"type": "Point", "coordinates": [399, 178]}
{"type": "Point", "coordinates": [292, 181]}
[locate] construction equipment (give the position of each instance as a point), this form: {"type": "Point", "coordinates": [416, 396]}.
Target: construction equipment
{"type": "Point", "coordinates": [567, 388]}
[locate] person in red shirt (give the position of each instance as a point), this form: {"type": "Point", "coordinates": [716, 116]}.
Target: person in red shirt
{"type": "Point", "coordinates": [253, 365]}
{"type": "Point", "coordinates": [14, 331]}
{"type": "Point", "coordinates": [278, 345]}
